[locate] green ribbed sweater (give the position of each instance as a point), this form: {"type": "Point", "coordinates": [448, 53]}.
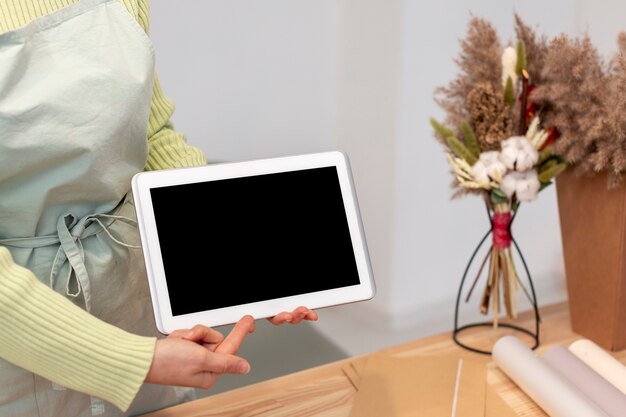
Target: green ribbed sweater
{"type": "Point", "coordinates": [41, 330]}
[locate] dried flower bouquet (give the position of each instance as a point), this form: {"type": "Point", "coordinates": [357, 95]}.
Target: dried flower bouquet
{"type": "Point", "coordinates": [498, 142]}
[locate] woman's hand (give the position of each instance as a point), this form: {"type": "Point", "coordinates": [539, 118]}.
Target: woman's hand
{"type": "Point", "coordinates": [197, 357]}
{"type": "Point", "coordinates": [294, 317]}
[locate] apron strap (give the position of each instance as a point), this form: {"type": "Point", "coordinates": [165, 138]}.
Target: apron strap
{"type": "Point", "coordinates": [72, 250]}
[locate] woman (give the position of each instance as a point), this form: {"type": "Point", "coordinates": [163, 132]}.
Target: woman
{"type": "Point", "coordinates": [78, 98]}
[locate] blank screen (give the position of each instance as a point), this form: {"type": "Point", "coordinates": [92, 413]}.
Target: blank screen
{"type": "Point", "coordinates": [243, 240]}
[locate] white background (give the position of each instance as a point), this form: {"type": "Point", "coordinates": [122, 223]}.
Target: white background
{"type": "Point", "coordinates": [262, 78]}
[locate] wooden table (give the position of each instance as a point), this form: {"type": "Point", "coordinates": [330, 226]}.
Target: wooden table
{"type": "Point", "coordinates": [326, 391]}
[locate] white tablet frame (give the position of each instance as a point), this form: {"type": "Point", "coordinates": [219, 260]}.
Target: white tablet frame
{"type": "Point", "coordinates": [166, 322]}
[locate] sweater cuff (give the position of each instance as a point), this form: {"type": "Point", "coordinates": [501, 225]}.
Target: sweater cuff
{"type": "Point", "coordinates": [47, 334]}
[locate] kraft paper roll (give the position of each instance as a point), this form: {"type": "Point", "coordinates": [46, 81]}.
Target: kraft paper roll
{"type": "Point", "coordinates": [588, 381]}
{"type": "Point", "coordinates": [551, 392]}
{"type": "Point", "coordinates": [601, 361]}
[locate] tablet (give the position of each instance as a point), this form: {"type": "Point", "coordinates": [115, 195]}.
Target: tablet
{"type": "Point", "coordinates": [254, 237]}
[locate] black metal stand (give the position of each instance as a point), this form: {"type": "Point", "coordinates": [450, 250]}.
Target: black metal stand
{"type": "Point", "coordinates": [532, 297]}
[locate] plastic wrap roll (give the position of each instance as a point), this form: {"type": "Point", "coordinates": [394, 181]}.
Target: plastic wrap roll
{"type": "Point", "coordinates": [549, 390]}
{"type": "Point", "coordinates": [601, 361]}
{"type": "Point", "coordinates": [591, 383]}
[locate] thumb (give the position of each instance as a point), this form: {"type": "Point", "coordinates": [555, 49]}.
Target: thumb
{"type": "Point", "coordinates": [221, 363]}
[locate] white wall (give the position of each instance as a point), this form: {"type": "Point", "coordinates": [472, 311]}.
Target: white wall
{"type": "Point", "coordinates": [250, 79]}
{"type": "Point", "coordinates": [265, 78]}
{"type": "Point", "coordinates": [369, 58]}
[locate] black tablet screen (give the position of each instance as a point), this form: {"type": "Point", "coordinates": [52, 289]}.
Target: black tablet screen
{"type": "Point", "coordinates": [243, 240]}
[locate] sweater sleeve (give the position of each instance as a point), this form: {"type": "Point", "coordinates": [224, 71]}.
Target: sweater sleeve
{"type": "Point", "coordinates": [45, 333]}
{"type": "Point", "coordinates": [168, 148]}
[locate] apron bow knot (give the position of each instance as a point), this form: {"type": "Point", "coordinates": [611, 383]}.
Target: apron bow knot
{"type": "Point", "coordinates": [70, 232]}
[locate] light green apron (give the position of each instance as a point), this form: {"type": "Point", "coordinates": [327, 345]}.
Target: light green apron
{"type": "Point", "coordinates": [75, 92]}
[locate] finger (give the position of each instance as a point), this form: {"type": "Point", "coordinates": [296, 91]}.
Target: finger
{"type": "Point", "coordinates": [299, 314]}
{"type": "Point", "coordinates": [311, 315]}
{"type": "Point", "coordinates": [281, 318]}
{"type": "Point", "coordinates": [219, 363]}
{"type": "Point", "coordinates": [304, 313]}
{"type": "Point", "coordinates": [233, 341]}
{"type": "Point", "coordinates": [178, 334]}
{"type": "Point", "coordinates": [295, 317]}
{"type": "Point", "coordinates": [204, 335]}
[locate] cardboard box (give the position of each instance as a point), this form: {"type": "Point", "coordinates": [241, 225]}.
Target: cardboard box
{"type": "Point", "coordinates": [425, 386]}
{"type": "Point", "coordinates": [593, 233]}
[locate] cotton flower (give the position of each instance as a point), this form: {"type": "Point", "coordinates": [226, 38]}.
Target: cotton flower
{"type": "Point", "coordinates": [518, 153]}
{"type": "Point", "coordinates": [509, 62]}
{"type": "Point", "coordinates": [524, 185]}
{"type": "Point", "coordinates": [488, 168]}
